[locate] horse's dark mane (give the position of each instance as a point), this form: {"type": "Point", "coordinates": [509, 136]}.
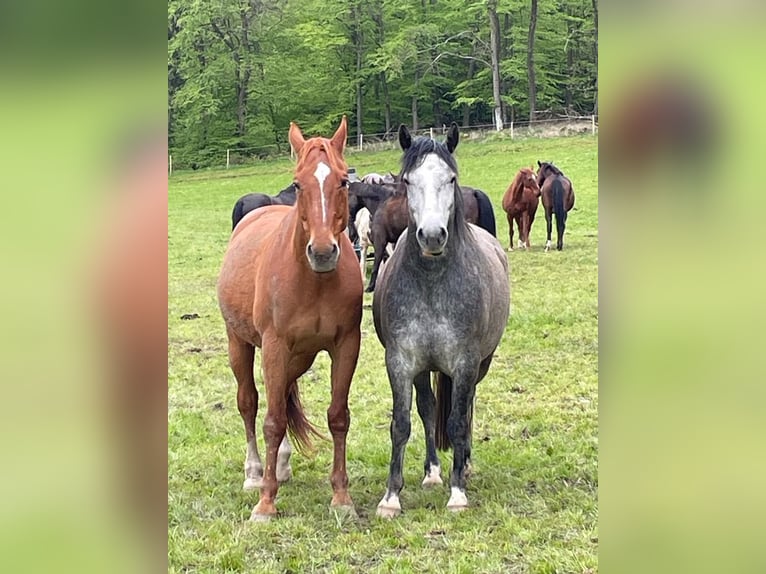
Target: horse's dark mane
{"type": "Point", "coordinates": [420, 148]}
{"type": "Point", "coordinates": [553, 168]}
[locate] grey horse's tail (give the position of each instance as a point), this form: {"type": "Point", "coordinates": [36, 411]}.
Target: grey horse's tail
{"type": "Point", "coordinates": [443, 386]}
{"type": "Point", "coordinates": [298, 425]}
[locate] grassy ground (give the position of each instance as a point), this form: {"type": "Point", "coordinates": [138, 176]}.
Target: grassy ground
{"type": "Point", "coordinates": [534, 489]}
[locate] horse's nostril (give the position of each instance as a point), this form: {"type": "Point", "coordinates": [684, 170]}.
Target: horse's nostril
{"type": "Point", "coordinates": [310, 250]}
{"type": "Point", "coordinates": [442, 234]}
{"type": "Point", "coordinates": [420, 235]}
{"type": "Point", "coordinates": [334, 248]}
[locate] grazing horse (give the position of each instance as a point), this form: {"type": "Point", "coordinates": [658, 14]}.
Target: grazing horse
{"type": "Point", "coordinates": [441, 306]}
{"type": "Point", "coordinates": [290, 285]}
{"type": "Point", "coordinates": [520, 203]}
{"type": "Point", "coordinates": [251, 201]}
{"type": "Point", "coordinates": [392, 219]}
{"type": "Point", "coordinates": [558, 199]}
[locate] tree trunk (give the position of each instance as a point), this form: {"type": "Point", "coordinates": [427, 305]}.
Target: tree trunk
{"type": "Point", "coordinates": [531, 60]}
{"type": "Point", "coordinates": [494, 40]}
{"type": "Point", "coordinates": [414, 113]}
{"type": "Point", "coordinates": [386, 101]}
{"type": "Point", "coordinates": [358, 41]}
{"type": "Point", "coordinates": [595, 23]}
{"type": "Point", "coordinates": [570, 66]}
{"type": "Point", "coordinates": [471, 69]}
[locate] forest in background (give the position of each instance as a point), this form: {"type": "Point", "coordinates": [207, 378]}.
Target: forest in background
{"type": "Point", "coordinates": [239, 71]}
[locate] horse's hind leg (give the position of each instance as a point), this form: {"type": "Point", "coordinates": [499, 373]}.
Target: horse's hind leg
{"type": "Point", "coordinates": [510, 232]}
{"type": "Point", "coordinates": [241, 359]}
{"type": "Point", "coordinates": [427, 410]}
{"type": "Point", "coordinates": [548, 226]}
{"type": "Point", "coordinates": [525, 230]}
{"type": "Point", "coordinates": [379, 244]}
{"type": "Point", "coordinates": [344, 358]}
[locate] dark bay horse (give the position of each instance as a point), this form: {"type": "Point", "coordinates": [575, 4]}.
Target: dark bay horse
{"type": "Point", "coordinates": [290, 285]}
{"type": "Point", "coordinates": [251, 201]}
{"type": "Point", "coordinates": [392, 219]}
{"type": "Point", "coordinates": [520, 203]}
{"type": "Point", "coordinates": [558, 199]}
{"type": "Point", "coordinates": [369, 195]}
{"type": "Point", "coordinates": [441, 306]}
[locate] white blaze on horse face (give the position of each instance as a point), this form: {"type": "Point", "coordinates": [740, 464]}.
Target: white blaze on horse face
{"type": "Point", "coordinates": [321, 173]}
{"type": "Point", "coordinates": [431, 193]}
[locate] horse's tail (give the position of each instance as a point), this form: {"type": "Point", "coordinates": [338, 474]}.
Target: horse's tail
{"type": "Point", "coordinates": [238, 213]}
{"type": "Point", "coordinates": [443, 388]}
{"type": "Point", "coordinates": [558, 205]}
{"type": "Point", "coordinates": [486, 213]}
{"type": "Point", "coordinates": [298, 425]}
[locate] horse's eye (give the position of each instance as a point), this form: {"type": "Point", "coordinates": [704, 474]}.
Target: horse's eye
{"type": "Point", "coordinates": [344, 183]}
{"type": "Point", "coordinates": [405, 181]}
{"type": "Point", "coordinates": [452, 180]}
{"type": "Point", "coordinates": [297, 186]}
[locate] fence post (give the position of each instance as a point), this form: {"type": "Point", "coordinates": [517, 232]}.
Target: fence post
{"type": "Point", "coordinates": [593, 124]}
{"type": "Point", "coordinates": [360, 139]}
{"type": "Point", "coordinates": [511, 129]}
{"type": "Point", "coordinates": [227, 159]}
{"type": "Point", "coordinates": [432, 133]}
{"type": "Point", "coordinates": [170, 165]}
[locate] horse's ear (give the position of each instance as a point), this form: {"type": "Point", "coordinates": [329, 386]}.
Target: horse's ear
{"type": "Point", "coordinates": [296, 137]}
{"type": "Point", "coordinates": [405, 139]}
{"type": "Point", "coordinates": [338, 140]}
{"type": "Point", "coordinates": [539, 164]}
{"type": "Point", "coordinates": [453, 136]}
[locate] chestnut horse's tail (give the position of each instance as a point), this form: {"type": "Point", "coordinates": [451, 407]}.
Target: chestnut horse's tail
{"type": "Point", "coordinates": [558, 205]}
{"type": "Point", "coordinates": [443, 387]}
{"type": "Point", "coordinates": [486, 213]}
{"type": "Point", "coordinates": [298, 425]}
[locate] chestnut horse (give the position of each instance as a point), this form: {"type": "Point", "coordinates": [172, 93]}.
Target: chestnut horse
{"type": "Point", "coordinates": [520, 203]}
{"type": "Point", "coordinates": [558, 199]}
{"type": "Point", "coordinates": [290, 285]}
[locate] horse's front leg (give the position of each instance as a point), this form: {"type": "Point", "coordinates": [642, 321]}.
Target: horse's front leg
{"type": "Point", "coordinates": [275, 357]}
{"type": "Point", "coordinates": [525, 230]}
{"type": "Point", "coordinates": [458, 429]}
{"type": "Point", "coordinates": [379, 244]}
{"type": "Point", "coordinates": [400, 376]}
{"type": "Point", "coordinates": [510, 231]}
{"type": "Point", "coordinates": [344, 357]}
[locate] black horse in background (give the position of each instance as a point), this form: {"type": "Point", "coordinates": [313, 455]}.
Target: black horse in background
{"type": "Point", "coordinates": [369, 195]}
{"type": "Point", "coordinates": [251, 201]}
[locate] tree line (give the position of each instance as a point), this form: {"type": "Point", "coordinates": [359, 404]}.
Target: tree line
{"type": "Point", "coordinates": [240, 70]}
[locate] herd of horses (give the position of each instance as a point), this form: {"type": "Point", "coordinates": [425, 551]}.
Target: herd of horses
{"type": "Point", "coordinates": [290, 284]}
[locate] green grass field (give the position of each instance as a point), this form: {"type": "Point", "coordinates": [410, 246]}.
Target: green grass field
{"type": "Point", "coordinates": [534, 488]}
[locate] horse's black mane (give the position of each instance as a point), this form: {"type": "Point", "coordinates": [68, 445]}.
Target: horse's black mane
{"type": "Point", "coordinates": [420, 148]}
{"type": "Point", "coordinates": [553, 168]}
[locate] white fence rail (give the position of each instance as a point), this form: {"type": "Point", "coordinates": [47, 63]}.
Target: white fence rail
{"type": "Point", "coordinates": [542, 128]}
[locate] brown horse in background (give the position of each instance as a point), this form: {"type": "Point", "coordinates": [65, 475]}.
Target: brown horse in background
{"type": "Point", "coordinates": [520, 203]}
{"type": "Point", "coordinates": [290, 285]}
{"type": "Point", "coordinates": [558, 199]}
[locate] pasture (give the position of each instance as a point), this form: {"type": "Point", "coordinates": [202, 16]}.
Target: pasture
{"type": "Point", "coordinates": [534, 487]}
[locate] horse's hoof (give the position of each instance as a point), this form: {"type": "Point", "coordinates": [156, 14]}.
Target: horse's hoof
{"type": "Point", "coordinates": [344, 510]}
{"type": "Point", "coordinates": [251, 484]}
{"type": "Point", "coordinates": [389, 508]}
{"type": "Point", "coordinates": [260, 518]}
{"type": "Point", "coordinates": [433, 478]}
{"type": "Point", "coordinates": [263, 512]}
{"type": "Point", "coordinates": [510, 249]}
{"type": "Point", "coordinates": [458, 501]}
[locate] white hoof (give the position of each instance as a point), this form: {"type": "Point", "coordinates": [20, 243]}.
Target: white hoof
{"type": "Point", "coordinates": [433, 478]}
{"type": "Point", "coordinates": [260, 518]}
{"type": "Point", "coordinates": [547, 245]}
{"type": "Point", "coordinates": [252, 484]}
{"type": "Point", "coordinates": [389, 508]}
{"type": "Point", "coordinates": [457, 501]}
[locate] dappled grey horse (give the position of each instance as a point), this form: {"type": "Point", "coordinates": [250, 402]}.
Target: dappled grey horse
{"type": "Point", "coordinates": [441, 305]}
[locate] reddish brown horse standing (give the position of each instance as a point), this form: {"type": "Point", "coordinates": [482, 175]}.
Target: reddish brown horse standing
{"type": "Point", "coordinates": [558, 199]}
{"type": "Point", "coordinates": [290, 285]}
{"type": "Point", "coordinates": [520, 203]}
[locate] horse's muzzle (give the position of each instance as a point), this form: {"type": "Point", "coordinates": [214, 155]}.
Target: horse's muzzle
{"type": "Point", "coordinates": [325, 259]}
{"type": "Point", "coordinates": [432, 240]}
